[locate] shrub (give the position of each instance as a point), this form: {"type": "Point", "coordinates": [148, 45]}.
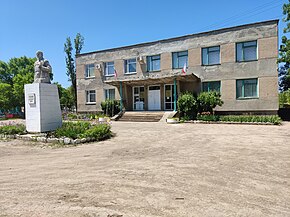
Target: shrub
{"type": "Point", "coordinates": [98, 132]}
{"type": "Point", "coordinates": [12, 129]}
{"type": "Point", "coordinates": [78, 130]}
{"type": "Point", "coordinates": [207, 117]}
{"type": "Point", "coordinates": [207, 101]}
{"type": "Point", "coordinates": [187, 106]}
{"type": "Point", "coordinates": [110, 107]}
{"type": "Point", "coordinates": [284, 99]}
{"type": "Point", "coordinates": [274, 119]}
{"type": "Point", "coordinates": [72, 130]}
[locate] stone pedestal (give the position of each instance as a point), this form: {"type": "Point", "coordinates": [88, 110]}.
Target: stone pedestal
{"type": "Point", "coordinates": [42, 107]}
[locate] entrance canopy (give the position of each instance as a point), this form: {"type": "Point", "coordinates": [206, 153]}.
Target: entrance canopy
{"type": "Point", "coordinates": [151, 79]}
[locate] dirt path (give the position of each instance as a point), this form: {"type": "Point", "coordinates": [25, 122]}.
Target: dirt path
{"type": "Point", "coordinates": [152, 169]}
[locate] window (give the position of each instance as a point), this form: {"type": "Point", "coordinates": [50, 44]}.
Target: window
{"type": "Point", "coordinates": [90, 96]}
{"type": "Point", "coordinates": [110, 94]}
{"type": "Point", "coordinates": [109, 69]}
{"type": "Point", "coordinates": [179, 59]}
{"type": "Point", "coordinates": [90, 71]}
{"type": "Point", "coordinates": [130, 66]}
{"type": "Point", "coordinates": [247, 88]}
{"type": "Point", "coordinates": [153, 63]}
{"type": "Point", "coordinates": [246, 51]}
{"type": "Point", "coordinates": [211, 55]}
{"type": "Point", "coordinates": [211, 86]}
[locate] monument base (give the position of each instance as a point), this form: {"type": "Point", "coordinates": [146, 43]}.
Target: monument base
{"type": "Point", "coordinates": [42, 107]}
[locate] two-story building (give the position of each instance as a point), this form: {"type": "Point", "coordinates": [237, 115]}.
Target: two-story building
{"type": "Point", "coordinates": [239, 62]}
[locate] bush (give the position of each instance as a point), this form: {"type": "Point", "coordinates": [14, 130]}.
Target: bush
{"type": "Point", "coordinates": [110, 107]}
{"type": "Point", "coordinates": [98, 132]}
{"type": "Point", "coordinates": [208, 117]}
{"type": "Point", "coordinates": [72, 130]}
{"type": "Point", "coordinates": [13, 129]}
{"type": "Point", "coordinates": [78, 130]}
{"type": "Point", "coordinates": [187, 106]}
{"type": "Point", "coordinates": [284, 99]}
{"type": "Point", "coordinates": [207, 101]}
{"type": "Point", "coordinates": [274, 119]}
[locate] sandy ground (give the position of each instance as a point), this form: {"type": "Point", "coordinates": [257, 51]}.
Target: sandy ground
{"type": "Point", "coordinates": [152, 169]}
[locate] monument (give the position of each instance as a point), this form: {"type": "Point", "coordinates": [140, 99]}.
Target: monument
{"type": "Point", "coordinates": [42, 107]}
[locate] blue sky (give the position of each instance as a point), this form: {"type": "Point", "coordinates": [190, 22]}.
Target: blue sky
{"type": "Point", "coordinates": [29, 25]}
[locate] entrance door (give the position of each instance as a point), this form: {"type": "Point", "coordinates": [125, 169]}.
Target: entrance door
{"type": "Point", "coordinates": [169, 96]}
{"type": "Point", "coordinates": [154, 98]}
{"type": "Point", "coordinates": [138, 98]}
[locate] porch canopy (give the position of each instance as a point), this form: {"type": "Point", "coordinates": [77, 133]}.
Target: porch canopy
{"type": "Point", "coordinates": [151, 79]}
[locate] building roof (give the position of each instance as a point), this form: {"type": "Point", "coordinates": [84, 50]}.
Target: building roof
{"type": "Point", "coordinates": [276, 21]}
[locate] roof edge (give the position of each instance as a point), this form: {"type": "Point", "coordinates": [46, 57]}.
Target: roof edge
{"type": "Point", "coordinates": [180, 37]}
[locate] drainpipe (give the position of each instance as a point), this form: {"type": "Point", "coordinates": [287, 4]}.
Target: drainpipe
{"type": "Point", "coordinates": [121, 96]}
{"type": "Point", "coordinates": [175, 96]}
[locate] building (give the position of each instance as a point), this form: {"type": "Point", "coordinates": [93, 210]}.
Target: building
{"type": "Point", "coordinates": [240, 62]}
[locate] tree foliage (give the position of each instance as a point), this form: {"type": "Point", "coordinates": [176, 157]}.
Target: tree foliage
{"type": "Point", "coordinates": [65, 97]}
{"type": "Point", "coordinates": [16, 73]}
{"type": "Point", "coordinates": [6, 97]}
{"type": "Point", "coordinates": [207, 101]}
{"type": "Point", "coordinates": [70, 60]}
{"type": "Point", "coordinates": [284, 99]}
{"type": "Point", "coordinates": [284, 52]}
{"type": "Point", "coordinates": [187, 106]}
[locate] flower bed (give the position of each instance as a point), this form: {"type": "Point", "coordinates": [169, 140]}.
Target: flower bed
{"type": "Point", "coordinates": [256, 119]}
{"type": "Point", "coordinates": [69, 133]}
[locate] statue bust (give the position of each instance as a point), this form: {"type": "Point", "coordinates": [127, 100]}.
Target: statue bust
{"type": "Point", "coordinates": [42, 69]}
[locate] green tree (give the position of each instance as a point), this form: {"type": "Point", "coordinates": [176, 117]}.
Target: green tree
{"type": "Point", "coordinates": [18, 86]}
{"type": "Point", "coordinates": [65, 97]}
{"type": "Point", "coordinates": [70, 60]}
{"type": "Point", "coordinates": [6, 97]}
{"type": "Point", "coordinates": [207, 101]}
{"type": "Point", "coordinates": [5, 76]}
{"type": "Point", "coordinates": [17, 72]}
{"type": "Point", "coordinates": [187, 106]}
{"type": "Point", "coordinates": [284, 52]}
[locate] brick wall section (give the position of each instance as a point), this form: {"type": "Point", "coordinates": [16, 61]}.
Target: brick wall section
{"type": "Point", "coordinates": [194, 57]}
{"type": "Point", "coordinates": [268, 47]}
{"type": "Point", "coordinates": [228, 53]}
{"type": "Point", "coordinates": [166, 61]}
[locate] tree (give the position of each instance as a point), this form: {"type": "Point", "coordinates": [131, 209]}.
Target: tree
{"type": "Point", "coordinates": [18, 86]}
{"type": "Point", "coordinates": [207, 101]}
{"type": "Point", "coordinates": [6, 97]}
{"type": "Point", "coordinates": [284, 52]}
{"type": "Point", "coordinates": [17, 72]}
{"type": "Point", "coordinates": [65, 97]}
{"type": "Point", "coordinates": [70, 60]}
{"type": "Point", "coordinates": [187, 106]}
{"type": "Point", "coordinates": [5, 76]}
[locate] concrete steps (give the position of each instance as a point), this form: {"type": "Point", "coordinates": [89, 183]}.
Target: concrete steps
{"type": "Point", "coordinates": [144, 116]}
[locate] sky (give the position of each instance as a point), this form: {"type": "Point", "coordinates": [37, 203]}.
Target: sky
{"type": "Point", "coordinates": [30, 25]}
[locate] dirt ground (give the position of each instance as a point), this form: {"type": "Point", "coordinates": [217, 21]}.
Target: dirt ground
{"type": "Point", "coordinates": [152, 169]}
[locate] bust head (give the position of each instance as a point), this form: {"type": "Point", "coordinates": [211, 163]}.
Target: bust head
{"type": "Point", "coordinates": [39, 55]}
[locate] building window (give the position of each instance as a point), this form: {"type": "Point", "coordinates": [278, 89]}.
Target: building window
{"type": "Point", "coordinates": [247, 88]}
{"type": "Point", "coordinates": [90, 71]}
{"type": "Point", "coordinates": [211, 55]}
{"type": "Point", "coordinates": [246, 51]}
{"type": "Point", "coordinates": [211, 86]}
{"type": "Point", "coordinates": [90, 96]}
{"type": "Point", "coordinates": [130, 66]}
{"type": "Point", "coordinates": [109, 69]}
{"type": "Point", "coordinates": [110, 94]}
{"type": "Point", "coordinates": [153, 63]}
{"type": "Point", "coordinates": [179, 59]}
